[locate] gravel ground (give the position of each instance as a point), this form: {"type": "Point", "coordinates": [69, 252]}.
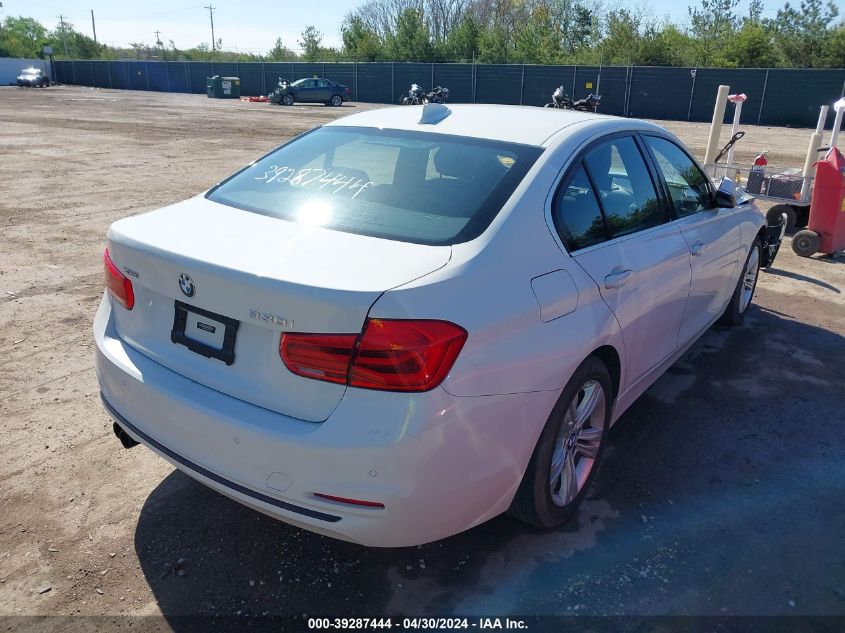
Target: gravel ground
{"type": "Point", "coordinates": [723, 489]}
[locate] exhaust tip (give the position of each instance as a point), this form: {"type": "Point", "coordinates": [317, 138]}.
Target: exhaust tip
{"type": "Point", "coordinates": [123, 436]}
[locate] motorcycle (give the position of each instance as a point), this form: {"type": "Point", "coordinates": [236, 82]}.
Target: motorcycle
{"type": "Point", "coordinates": [438, 95]}
{"type": "Point", "coordinates": [590, 103]}
{"type": "Point", "coordinates": [416, 96]}
{"type": "Point", "coordinates": [278, 94]}
{"type": "Point", "coordinates": [562, 101]}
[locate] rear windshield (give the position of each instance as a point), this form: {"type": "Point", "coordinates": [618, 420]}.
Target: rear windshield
{"type": "Point", "coordinates": [407, 186]}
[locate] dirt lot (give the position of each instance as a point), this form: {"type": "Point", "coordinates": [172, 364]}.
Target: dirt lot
{"type": "Point", "coordinates": [723, 491]}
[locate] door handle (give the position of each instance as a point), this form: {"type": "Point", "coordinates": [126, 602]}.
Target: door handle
{"type": "Point", "coordinates": [618, 278]}
{"type": "Point", "coordinates": [697, 248]}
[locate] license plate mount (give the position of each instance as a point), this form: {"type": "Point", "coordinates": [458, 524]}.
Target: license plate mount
{"type": "Point", "coordinates": [206, 340]}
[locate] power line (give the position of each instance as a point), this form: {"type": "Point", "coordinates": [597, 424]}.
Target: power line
{"type": "Point", "coordinates": [211, 17]}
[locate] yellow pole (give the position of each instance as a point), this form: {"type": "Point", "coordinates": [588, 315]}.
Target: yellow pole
{"type": "Point", "coordinates": [716, 127]}
{"type": "Point", "coordinates": [812, 154]}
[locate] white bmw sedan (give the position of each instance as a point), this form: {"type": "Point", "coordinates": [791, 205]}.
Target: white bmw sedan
{"type": "Point", "coordinates": [410, 320]}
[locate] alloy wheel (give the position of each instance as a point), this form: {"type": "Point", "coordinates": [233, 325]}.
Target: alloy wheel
{"type": "Point", "coordinates": [578, 442]}
{"type": "Point", "coordinates": [749, 280]}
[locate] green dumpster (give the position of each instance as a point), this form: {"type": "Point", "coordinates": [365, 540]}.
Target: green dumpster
{"type": "Point", "coordinates": [218, 87]}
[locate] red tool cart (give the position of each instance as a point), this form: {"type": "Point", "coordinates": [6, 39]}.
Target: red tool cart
{"type": "Point", "coordinates": [825, 232]}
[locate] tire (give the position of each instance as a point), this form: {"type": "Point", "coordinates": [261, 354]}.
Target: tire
{"type": "Point", "coordinates": [745, 287]}
{"type": "Point", "coordinates": [337, 101]}
{"type": "Point", "coordinates": [806, 243]}
{"type": "Point", "coordinates": [287, 100]}
{"type": "Point", "coordinates": [543, 500]}
{"type": "Point", "coordinates": [773, 216]}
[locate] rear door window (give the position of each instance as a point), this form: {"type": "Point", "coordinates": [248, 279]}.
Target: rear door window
{"type": "Point", "coordinates": [577, 215]}
{"type": "Point", "coordinates": [624, 186]}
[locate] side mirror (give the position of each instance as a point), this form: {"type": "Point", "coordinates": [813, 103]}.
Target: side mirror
{"type": "Point", "coordinates": [726, 194]}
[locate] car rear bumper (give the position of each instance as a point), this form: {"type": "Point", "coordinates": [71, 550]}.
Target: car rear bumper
{"type": "Point", "coordinates": [440, 464]}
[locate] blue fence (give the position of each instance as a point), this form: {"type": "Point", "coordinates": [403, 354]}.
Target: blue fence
{"type": "Point", "coordinates": [775, 96]}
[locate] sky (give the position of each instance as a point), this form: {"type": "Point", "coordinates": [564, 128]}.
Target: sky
{"type": "Point", "coordinates": [247, 25]}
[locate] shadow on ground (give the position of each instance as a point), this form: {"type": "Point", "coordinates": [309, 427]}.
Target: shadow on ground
{"type": "Point", "coordinates": [722, 492]}
{"type": "Point", "coordinates": [805, 278]}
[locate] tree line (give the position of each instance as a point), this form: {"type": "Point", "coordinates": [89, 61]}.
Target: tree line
{"type": "Point", "coordinates": [809, 35]}
{"type": "Point", "coordinates": [583, 32]}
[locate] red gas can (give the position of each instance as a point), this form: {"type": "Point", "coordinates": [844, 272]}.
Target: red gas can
{"type": "Point", "coordinates": [825, 232]}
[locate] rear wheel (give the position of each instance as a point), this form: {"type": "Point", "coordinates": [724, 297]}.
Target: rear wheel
{"type": "Point", "coordinates": [745, 287]}
{"type": "Point", "coordinates": [806, 243]}
{"type": "Point", "coordinates": [567, 454]}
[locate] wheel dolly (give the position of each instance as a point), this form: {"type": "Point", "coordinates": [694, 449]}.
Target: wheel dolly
{"type": "Point", "coordinates": [825, 232]}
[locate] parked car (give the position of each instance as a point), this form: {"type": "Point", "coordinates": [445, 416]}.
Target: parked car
{"type": "Point", "coordinates": [33, 78]}
{"type": "Point", "coordinates": [408, 321]}
{"type": "Point", "coordinates": [316, 90]}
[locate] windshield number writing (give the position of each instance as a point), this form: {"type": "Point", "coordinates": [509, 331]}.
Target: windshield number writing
{"type": "Point", "coordinates": [333, 182]}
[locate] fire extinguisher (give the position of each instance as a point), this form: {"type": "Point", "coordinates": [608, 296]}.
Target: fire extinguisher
{"type": "Point", "coordinates": [756, 182]}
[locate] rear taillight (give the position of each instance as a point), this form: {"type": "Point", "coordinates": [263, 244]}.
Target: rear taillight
{"type": "Point", "coordinates": [391, 355]}
{"type": "Point", "coordinates": [405, 355]}
{"type": "Point", "coordinates": [118, 285]}
{"type": "Point", "coordinates": [321, 356]}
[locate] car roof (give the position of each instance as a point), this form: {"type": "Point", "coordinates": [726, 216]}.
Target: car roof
{"type": "Point", "coordinates": [527, 125]}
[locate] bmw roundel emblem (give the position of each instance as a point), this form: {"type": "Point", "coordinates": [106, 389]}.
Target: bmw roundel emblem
{"type": "Point", "coordinates": [186, 284]}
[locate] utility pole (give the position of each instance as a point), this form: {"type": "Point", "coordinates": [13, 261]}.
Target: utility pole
{"type": "Point", "coordinates": [64, 35]}
{"type": "Point", "coordinates": [211, 17]}
{"type": "Point", "coordinates": [158, 39]}
{"type": "Point", "coordinates": [93, 26]}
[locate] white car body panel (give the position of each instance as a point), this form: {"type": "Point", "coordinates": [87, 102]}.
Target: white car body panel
{"type": "Point", "coordinates": [443, 460]}
{"type": "Point", "coordinates": [649, 307]}
{"type": "Point", "coordinates": [511, 125]}
{"type": "Point", "coordinates": [414, 452]}
{"type": "Point", "coordinates": [713, 268]}
{"type": "Point", "coordinates": [314, 279]}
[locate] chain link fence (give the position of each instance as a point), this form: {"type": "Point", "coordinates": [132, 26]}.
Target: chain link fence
{"type": "Point", "coordinates": [777, 97]}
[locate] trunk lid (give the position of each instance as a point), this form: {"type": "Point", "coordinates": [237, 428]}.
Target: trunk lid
{"type": "Point", "coordinates": [264, 274]}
